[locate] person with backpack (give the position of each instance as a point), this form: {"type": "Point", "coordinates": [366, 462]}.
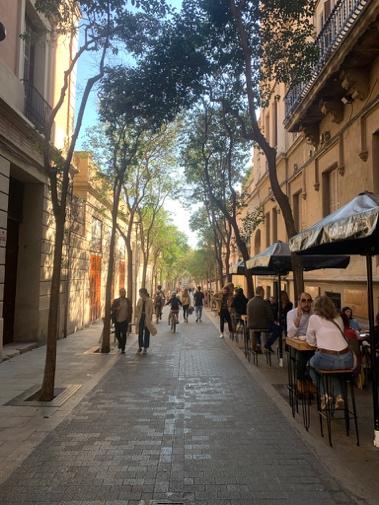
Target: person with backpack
{"type": "Point", "coordinates": [174, 303]}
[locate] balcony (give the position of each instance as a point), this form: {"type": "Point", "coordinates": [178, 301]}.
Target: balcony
{"type": "Point", "coordinates": [333, 38]}
{"type": "Point", "coordinates": [37, 110]}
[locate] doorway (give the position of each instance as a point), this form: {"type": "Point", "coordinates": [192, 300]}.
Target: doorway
{"type": "Point", "coordinates": [15, 211]}
{"type": "Point", "coordinates": [95, 287]}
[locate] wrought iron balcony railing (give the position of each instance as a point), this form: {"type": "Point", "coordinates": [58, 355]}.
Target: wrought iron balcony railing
{"type": "Point", "coordinates": [36, 107]}
{"type": "Point", "coordinates": [332, 35]}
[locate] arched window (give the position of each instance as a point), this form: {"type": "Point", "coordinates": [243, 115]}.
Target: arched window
{"type": "Point", "coordinates": [257, 242]}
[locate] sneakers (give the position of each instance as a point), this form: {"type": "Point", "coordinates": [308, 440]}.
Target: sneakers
{"type": "Point", "coordinates": [144, 351]}
{"type": "Point", "coordinates": [325, 400]}
{"type": "Point", "coordinates": [340, 403]}
{"type": "Point", "coordinates": [221, 335]}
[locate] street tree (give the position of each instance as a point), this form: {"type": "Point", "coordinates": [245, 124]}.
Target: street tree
{"type": "Point", "coordinates": [238, 49]}
{"type": "Point", "coordinates": [215, 158]}
{"type": "Point", "coordinates": [103, 23]}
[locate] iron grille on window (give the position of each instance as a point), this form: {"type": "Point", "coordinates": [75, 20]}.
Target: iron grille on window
{"type": "Point", "coordinates": [36, 107]}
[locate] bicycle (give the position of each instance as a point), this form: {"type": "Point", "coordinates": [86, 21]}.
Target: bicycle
{"type": "Point", "coordinates": [173, 320]}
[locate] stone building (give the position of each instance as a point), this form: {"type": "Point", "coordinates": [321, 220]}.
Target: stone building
{"type": "Point", "coordinates": [31, 76]}
{"type": "Point", "coordinates": [326, 132]}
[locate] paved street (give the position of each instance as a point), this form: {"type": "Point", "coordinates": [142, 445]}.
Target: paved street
{"type": "Point", "coordinates": [186, 423]}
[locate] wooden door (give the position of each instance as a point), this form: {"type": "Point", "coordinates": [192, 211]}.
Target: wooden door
{"type": "Point", "coordinates": [95, 287]}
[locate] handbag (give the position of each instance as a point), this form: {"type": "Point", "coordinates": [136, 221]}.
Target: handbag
{"type": "Point", "coordinates": [353, 346]}
{"type": "Point", "coordinates": [190, 309]}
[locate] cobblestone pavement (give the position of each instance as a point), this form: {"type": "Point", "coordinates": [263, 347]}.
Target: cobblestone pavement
{"type": "Point", "coordinates": [185, 423]}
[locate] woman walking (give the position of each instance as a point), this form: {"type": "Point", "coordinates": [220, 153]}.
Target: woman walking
{"type": "Point", "coordinates": [186, 303]}
{"type": "Point", "coordinates": [144, 323]}
{"type": "Point", "coordinates": [224, 313]}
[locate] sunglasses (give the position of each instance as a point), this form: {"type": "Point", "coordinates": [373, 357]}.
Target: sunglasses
{"type": "Point", "coordinates": [306, 300]}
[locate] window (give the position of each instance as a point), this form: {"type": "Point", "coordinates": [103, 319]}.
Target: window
{"type": "Point", "coordinates": [267, 127]}
{"type": "Point", "coordinates": [96, 235]}
{"type": "Point", "coordinates": [268, 228]}
{"type": "Point", "coordinates": [296, 209]}
{"type": "Point", "coordinates": [274, 219]}
{"type": "Point", "coordinates": [329, 191]}
{"type": "Point", "coordinates": [257, 242]}
{"type": "Point", "coordinates": [336, 298]}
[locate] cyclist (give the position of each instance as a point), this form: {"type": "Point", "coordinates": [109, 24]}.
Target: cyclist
{"type": "Point", "coordinates": [159, 300]}
{"type": "Point", "coordinates": [174, 303]}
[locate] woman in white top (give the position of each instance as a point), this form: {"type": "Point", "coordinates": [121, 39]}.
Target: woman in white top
{"type": "Point", "coordinates": [325, 331]}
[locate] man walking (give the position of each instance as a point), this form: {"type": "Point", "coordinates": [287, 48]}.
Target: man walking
{"type": "Point", "coordinates": [121, 311]}
{"type": "Point", "coordinates": [198, 302]}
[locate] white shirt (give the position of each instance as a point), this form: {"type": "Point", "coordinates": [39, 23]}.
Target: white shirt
{"type": "Point", "coordinates": [324, 334]}
{"type": "Point", "coordinates": [295, 331]}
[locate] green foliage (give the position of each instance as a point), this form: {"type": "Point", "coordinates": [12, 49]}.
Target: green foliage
{"type": "Point", "coordinates": [199, 50]}
{"type": "Point", "coordinates": [251, 221]}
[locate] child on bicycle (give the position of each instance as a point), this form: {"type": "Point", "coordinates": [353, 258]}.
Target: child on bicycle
{"type": "Point", "coordinates": [175, 304]}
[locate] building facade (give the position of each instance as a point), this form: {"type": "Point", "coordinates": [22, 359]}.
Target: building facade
{"type": "Point", "coordinates": [326, 132]}
{"type": "Point", "coordinates": [31, 77]}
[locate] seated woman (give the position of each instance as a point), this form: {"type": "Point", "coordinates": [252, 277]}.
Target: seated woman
{"type": "Point", "coordinates": [353, 323]}
{"type": "Point", "coordinates": [325, 331]}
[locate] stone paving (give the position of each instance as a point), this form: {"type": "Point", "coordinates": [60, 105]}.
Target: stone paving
{"type": "Point", "coordinates": [184, 424]}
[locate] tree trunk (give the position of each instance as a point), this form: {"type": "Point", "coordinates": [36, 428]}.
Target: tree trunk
{"type": "Point", "coordinates": [284, 204]}
{"type": "Point", "coordinates": [144, 270]}
{"type": "Point", "coordinates": [47, 388]}
{"type": "Point", "coordinates": [105, 344]}
{"type": "Point", "coordinates": [129, 251]}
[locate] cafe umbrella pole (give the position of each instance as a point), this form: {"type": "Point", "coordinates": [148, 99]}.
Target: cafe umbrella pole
{"type": "Point", "coordinates": [372, 346]}
{"type": "Point", "coordinates": [279, 321]}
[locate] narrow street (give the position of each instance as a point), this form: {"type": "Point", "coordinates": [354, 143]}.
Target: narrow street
{"type": "Point", "coordinates": [185, 423]}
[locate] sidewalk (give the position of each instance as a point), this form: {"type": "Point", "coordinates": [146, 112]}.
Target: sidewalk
{"type": "Point", "coordinates": [185, 424]}
{"type": "Point", "coordinates": [356, 467]}
{"type": "Point", "coordinates": [22, 428]}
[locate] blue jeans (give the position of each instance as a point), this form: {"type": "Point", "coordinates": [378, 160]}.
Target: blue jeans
{"type": "Point", "coordinates": [275, 331]}
{"type": "Point", "coordinates": [198, 311]}
{"type": "Point", "coordinates": [330, 362]}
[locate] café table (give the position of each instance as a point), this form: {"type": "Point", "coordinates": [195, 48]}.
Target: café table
{"type": "Point", "coordinates": [297, 345]}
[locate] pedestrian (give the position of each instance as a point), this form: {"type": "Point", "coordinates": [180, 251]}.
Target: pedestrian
{"type": "Point", "coordinates": [198, 303]}
{"type": "Point", "coordinates": [185, 298]}
{"type": "Point", "coordinates": [121, 314]}
{"type": "Point", "coordinates": [159, 301]}
{"type": "Point", "coordinates": [224, 313]}
{"type": "Point", "coordinates": [144, 323]}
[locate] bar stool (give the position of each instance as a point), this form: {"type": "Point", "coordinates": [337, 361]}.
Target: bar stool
{"type": "Point", "coordinates": [326, 406]}
{"type": "Point", "coordinates": [255, 334]}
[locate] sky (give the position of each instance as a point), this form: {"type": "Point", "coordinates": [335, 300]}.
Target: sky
{"type": "Point", "coordinates": [88, 66]}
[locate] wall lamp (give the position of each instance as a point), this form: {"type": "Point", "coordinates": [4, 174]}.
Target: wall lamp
{"type": "Point", "coordinates": [347, 99]}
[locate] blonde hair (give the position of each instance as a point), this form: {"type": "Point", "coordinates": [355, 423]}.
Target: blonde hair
{"type": "Point", "coordinates": [324, 307]}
